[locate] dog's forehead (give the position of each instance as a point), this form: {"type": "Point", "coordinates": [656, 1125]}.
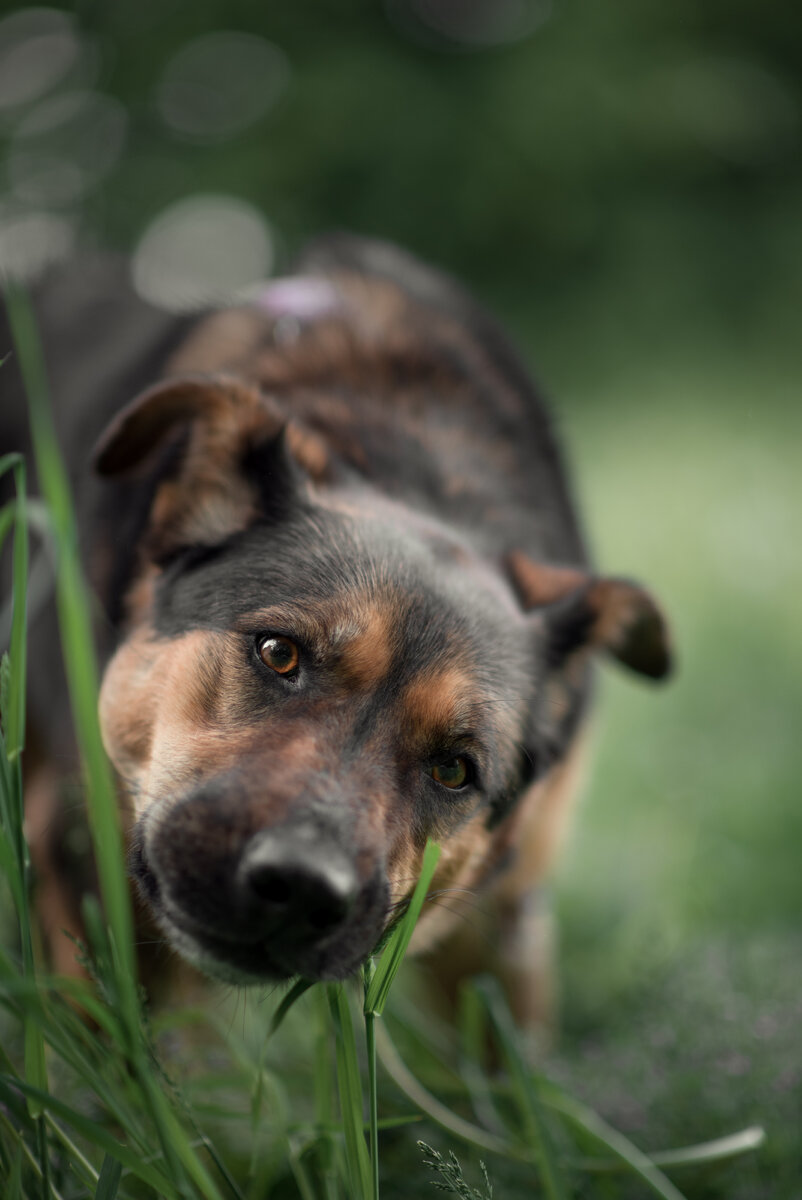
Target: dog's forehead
{"type": "Point", "coordinates": [368, 592]}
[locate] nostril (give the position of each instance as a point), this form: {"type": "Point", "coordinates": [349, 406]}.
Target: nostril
{"type": "Point", "coordinates": [296, 887]}
{"type": "Point", "coordinates": [270, 885]}
{"type": "Point", "coordinates": [326, 918]}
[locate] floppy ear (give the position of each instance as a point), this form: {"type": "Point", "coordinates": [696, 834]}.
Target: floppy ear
{"type": "Point", "coordinates": [584, 612]}
{"type": "Point", "coordinates": [240, 461]}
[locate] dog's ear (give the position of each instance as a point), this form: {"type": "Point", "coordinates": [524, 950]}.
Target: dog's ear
{"type": "Point", "coordinates": [238, 459]}
{"type": "Point", "coordinates": [142, 426]}
{"type": "Point", "coordinates": [583, 612]}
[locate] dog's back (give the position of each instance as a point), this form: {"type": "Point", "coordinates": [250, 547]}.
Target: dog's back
{"type": "Point", "coordinates": [440, 410]}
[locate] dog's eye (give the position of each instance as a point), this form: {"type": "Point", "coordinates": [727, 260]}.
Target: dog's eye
{"type": "Point", "coordinates": [280, 654]}
{"type": "Point", "coordinates": [452, 773]}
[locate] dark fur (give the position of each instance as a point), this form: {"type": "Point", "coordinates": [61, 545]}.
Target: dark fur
{"type": "Point", "coordinates": [383, 488]}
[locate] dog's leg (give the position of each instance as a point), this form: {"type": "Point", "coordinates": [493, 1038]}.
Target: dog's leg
{"type": "Point", "coordinates": [524, 963]}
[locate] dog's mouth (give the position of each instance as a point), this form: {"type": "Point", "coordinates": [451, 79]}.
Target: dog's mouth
{"type": "Point", "coordinates": [246, 947]}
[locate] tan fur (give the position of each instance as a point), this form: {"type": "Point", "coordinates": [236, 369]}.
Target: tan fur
{"type": "Point", "coordinates": [367, 654]}
{"type": "Point", "coordinates": [438, 701]}
{"type": "Point", "coordinates": [506, 929]}
{"type": "Point", "coordinates": [225, 341]}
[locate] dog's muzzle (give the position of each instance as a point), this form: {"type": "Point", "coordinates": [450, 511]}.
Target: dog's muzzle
{"type": "Point", "coordinates": [284, 900]}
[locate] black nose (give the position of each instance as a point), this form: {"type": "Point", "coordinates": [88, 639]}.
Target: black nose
{"type": "Point", "coordinates": [292, 882]}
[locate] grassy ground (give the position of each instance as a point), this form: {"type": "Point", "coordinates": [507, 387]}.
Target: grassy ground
{"type": "Point", "coordinates": [678, 896]}
{"type": "Point", "coordinates": [681, 890]}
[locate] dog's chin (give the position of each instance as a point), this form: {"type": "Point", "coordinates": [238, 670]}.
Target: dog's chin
{"type": "Point", "coordinates": [245, 963]}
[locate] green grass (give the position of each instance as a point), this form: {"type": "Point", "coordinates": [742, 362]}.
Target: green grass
{"type": "Point", "coordinates": [253, 1098]}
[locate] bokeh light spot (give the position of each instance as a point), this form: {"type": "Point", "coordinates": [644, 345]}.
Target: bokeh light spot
{"type": "Point", "coordinates": [64, 146]}
{"type": "Point", "coordinates": [736, 108]}
{"type": "Point", "coordinates": [30, 241]}
{"type": "Point", "coordinates": [202, 250]}
{"type": "Point", "coordinates": [38, 48]}
{"type": "Point", "coordinates": [219, 85]}
{"type": "Point", "coordinates": [468, 24]}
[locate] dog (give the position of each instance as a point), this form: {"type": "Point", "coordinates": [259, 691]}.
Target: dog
{"type": "Point", "coordinates": [346, 606]}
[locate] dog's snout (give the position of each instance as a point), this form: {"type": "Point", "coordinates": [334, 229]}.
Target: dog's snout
{"type": "Point", "coordinates": [308, 887]}
{"type": "Point", "coordinates": [296, 897]}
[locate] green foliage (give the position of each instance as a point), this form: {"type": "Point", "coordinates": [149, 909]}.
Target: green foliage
{"type": "Point", "coordinates": [378, 988]}
{"type": "Point", "coordinates": [451, 1177]}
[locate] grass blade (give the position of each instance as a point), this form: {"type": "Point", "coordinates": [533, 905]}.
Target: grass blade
{"type": "Point", "coordinates": [14, 716]}
{"type": "Point", "coordinates": [96, 1135]}
{"type": "Point", "coordinates": [350, 1089]}
{"type": "Point", "coordinates": [373, 1091]}
{"type": "Point", "coordinates": [114, 935]}
{"type": "Point", "coordinates": [403, 1078]}
{"type": "Point", "coordinates": [525, 1090]}
{"type": "Point", "coordinates": [718, 1150]}
{"type": "Point", "coordinates": [12, 744]}
{"type": "Point", "coordinates": [77, 640]}
{"type": "Point", "coordinates": [14, 1181]}
{"type": "Point", "coordinates": [109, 1179]}
{"type": "Point", "coordinates": [324, 1098]}
{"type": "Point", "coordinates": [294, 994]}
{"type": "Point", "coordinates": [473, 1032]}
{"type": "Point", "coordinates": [396, 945]}
{"type": "Point", "coordinates": [616, 1143]}
{"type": "Point", "coordinates": [43, 1154]}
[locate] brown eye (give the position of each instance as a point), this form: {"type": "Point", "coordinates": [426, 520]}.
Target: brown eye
{"type": "Point", "coordinates": [280, 654]}
{"type": "Point", "coordinates": [453, 773]}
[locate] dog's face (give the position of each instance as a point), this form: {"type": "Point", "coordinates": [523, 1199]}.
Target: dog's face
{"type": "Point", "coordinates": [313, 686]}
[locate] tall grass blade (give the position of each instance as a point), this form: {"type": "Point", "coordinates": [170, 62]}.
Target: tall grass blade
{"type": "Point", "coordinates": [300, 1175]}
{"type": "Point", "coordinates": [324, 1097]}
{"type": "Point", "coordinates": [373, 1089]}
{"type": "Point", "coordinates": [115, 942]}
{"type": "Point", "coordinates": [96, 1135]}
{"type": "Point", "coordinates": [423, 1099]}
{"type": "Point", "coordinates": [77, 642]}
{"type": "Point", "coordinates": [718, 1150]}
{"type": "Point", "coordinates": [109, 1180]}
{"type": "Point", "coordinates": [9, 867]}
{"type": "Point", "coordinates": [12, 745]}
{"type": "Point", "coordinates": [473, 1032]}
{"type": "Point", "coordinates": [396, 945]}
{"type": "Point", "coordinates": [616, 1143]}
{"type": "Point", "coordinates": [297, 990]}
{"type": "Point", "coordinates": [14, 722]}
{"type": "Point", "coordinates": [525, 1090]}
{"type": "Point", "coordinates": [14, 1181]}
{"type": "Point", "coordinates": [350, 1089]}
{"type": "Point", "coordinates": [43, 1155]}
{"type": "Point", "coordinates": [76, 1158]}
{"type": "Point", "coordinates": [378, 979]}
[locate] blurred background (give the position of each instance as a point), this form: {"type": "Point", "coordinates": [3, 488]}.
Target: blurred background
{"type": "Point", "coordinates": [622, 185]}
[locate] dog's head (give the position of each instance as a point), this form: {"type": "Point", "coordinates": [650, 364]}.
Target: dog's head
{"type": "Point", "coordinates": [314, 681]}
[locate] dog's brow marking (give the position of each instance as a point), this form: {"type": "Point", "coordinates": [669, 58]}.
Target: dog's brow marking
{"type": "Point", "coordinates": [366, 656]}
{"type": "Point", "coordinates": [437, 703]}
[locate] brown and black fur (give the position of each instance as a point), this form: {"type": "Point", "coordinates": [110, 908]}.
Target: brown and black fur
{"type": "Point", "coordinates": [379, 485]}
